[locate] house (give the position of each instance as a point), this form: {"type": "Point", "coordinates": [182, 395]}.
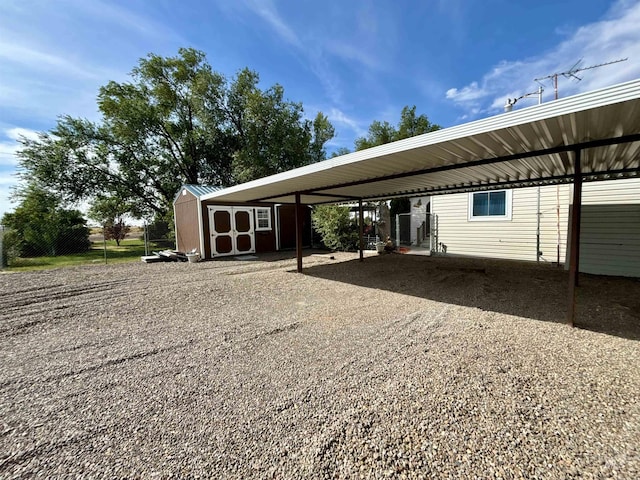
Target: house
{"type": "Point", "coordinates": [217, 229]}
{"type": "Point", "coordinates": [533, 223]}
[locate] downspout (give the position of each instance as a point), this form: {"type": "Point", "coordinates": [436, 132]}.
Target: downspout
{"type": "Point", "coordinates": [276, 214]}
{"type": "Point", "coordinates": [361, 229]}
{"type": "Point", "coordinates": [558, 224]}
{"type": "Point", "coordinates": [538, 253]}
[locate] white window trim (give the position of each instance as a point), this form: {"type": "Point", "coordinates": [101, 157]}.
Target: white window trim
{"type": "Point", "coordinates": [268, 227]}
{"type": "Point", "coordinates": [491, 218]}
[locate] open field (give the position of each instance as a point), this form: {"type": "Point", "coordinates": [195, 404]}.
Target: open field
{"type": "Point", "coordinates": [400, 366]}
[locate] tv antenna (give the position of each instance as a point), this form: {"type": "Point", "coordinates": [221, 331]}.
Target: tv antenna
{"type": "Point", "coordinates": [571, 73]}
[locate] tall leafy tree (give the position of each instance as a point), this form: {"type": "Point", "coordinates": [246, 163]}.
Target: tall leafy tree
{"type": "Point", "coordinates": [272, 133]}
{"type": "Point", "coordinates": [177, 121]}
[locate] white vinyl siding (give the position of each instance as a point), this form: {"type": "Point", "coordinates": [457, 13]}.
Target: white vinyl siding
{"type": "Point", "coordinates": [515, 239]}
{"type": "Point", "coordinates": [610, 228]}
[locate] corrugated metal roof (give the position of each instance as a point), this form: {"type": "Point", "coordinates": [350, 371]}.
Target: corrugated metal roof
{"type": "Point", "coordinates": [530, 146]}
{"type": "Point", "coordinates": [199, 190]}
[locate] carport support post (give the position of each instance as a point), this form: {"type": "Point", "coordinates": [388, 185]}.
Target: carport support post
{"type": "Point", "coordinates": [574, 257]}
{"type": "Point", "coordinates": [299, 221]}
{"type": "Point", "coordinates": [361, 229]}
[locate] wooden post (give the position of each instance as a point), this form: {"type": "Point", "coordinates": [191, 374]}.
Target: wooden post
{"type": "Point", "coordinates": [361, 229]}
{"type": "Point", "coordinates": [574, 242]}
{"type": "Point", "coordinates": [299, 221]}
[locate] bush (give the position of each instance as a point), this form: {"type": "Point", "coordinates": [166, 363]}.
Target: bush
{"type": "Point", "coordinates": [10, 246]}
{"type": "Point", "coordinates": [337, 230]}
{"type": "Point", "coordinates": [116, 230]}
{"type": "Point", "coordinates": [44, 227]}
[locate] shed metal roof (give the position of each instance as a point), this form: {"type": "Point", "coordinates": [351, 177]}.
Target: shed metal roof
{"type": "Point", "coordinates": [199, 190]}
{"type": "Point", "coordinates": [531, 146]}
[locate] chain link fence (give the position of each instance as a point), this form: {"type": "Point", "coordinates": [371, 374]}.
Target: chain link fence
{"type": "Point", "coordinates": [50, 246]}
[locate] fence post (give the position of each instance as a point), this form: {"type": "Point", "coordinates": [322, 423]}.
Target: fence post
{"type": "Point", "coordinates": [2, 265]}
{"type": "Point", "coordinates": [104, 242]}
{"type": "Point", "coordinates": [146, 239]}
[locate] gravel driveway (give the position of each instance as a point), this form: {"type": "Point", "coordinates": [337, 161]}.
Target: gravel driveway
{"type": "Point", "coordinates": [403, 367]}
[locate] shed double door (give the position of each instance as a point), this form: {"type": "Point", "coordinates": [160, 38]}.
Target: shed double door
{"type": "Point", "coordinates": [232, 231]}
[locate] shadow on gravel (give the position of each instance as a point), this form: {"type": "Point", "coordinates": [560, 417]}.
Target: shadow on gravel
{"type": "Point", "coordinates": [265, 257]}
{"type": "Point", "coordinates": [605, 304]}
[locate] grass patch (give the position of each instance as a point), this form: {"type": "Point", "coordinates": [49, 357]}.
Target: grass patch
{"type": "Point", "coordinates": [128, 251]}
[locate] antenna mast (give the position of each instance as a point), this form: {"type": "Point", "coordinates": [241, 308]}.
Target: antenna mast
{"type": "Point", "coordinates": [571, 73]}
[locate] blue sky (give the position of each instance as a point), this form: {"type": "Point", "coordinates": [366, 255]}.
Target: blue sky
{"type": "Point", "coordinates": [356, 61]}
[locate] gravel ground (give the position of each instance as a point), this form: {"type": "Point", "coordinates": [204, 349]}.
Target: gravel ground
{"type": "Point", "coordinates": [402, 367]}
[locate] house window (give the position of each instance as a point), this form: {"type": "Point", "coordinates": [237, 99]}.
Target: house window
{"type": "Point", "coordinates": [487, 206]}
{"type": "Point", "coordinates": [263, 219]}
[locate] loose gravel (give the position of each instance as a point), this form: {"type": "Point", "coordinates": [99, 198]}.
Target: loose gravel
{"type": "Point", "coordinates": [399, 367]}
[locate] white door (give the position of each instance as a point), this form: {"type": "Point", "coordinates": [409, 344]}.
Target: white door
{"type": "Point", "coordinates": [232, 231]}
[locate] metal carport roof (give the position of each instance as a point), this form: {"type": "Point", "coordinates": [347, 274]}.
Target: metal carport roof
{"type": "Point", "coordinates": [530, 146]}
{"type": "Point", "coordinates": [591, 136]}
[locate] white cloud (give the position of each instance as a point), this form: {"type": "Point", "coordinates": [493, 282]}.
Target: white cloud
{"type": "Point", "coordinates": [42, 61]}
{"type": "Point", "coordinates": [335, 115]}
{"type": "Point", "coordinates": [466, 94]}
{"type": "Point", "coordinates": [16, 133]}
{"type": "Point", "coordinates": [354, 37]}
{"type": "Point", "coordinates": [10, 146]}
{"type": "Point", "coordinates": [615, 36]}
{"type": "Point", "coordinates": [267, 11]}
{"type": "Point", "coordinates": [124, 17]}
{"type": "Point", "coordinates": [353, 53]}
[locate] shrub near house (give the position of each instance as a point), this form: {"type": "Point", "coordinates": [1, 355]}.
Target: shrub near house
{"type": "Point", "coordinates": [337, 230]}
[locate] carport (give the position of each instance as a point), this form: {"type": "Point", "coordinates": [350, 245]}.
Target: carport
{"type": "Point", "coordinates": [588, 137]}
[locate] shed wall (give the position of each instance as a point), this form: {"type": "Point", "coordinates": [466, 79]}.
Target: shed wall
{"type": "Point", "coordinates": [610, 228]}
{"type": "Point", "coordinates": [287, 227]}
{"type": "Point", "coordinates": [186, 222]}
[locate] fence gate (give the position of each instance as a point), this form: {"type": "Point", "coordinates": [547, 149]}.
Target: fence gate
{"type": "Point", "coordinates": [232, 231]}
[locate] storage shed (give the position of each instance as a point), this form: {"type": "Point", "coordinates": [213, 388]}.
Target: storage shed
{"type": "Point", "coordinates": [217, 229]}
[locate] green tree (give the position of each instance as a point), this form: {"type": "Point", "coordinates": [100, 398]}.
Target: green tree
{"type": "Point", "coordinates": [410, 125]}
{"type": "Point", "coordinates": [340, 151]}
{"type": "Point", "coordinates": [177, 121]}
{"type": "Point", "coordinates": [43, 227]}
{"type": "Point", "coordinates": [272, 133]}
{"type": "Point", "coordinates": [335, 226]}
{"type": "Point", "coordinates": [110, 213]}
